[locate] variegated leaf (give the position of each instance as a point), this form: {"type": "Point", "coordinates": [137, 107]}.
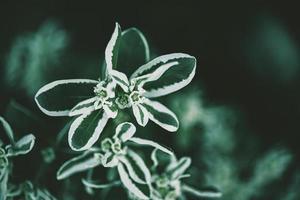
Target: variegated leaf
{"type": "Point", "coordinates": [112, 49]}
{"type": "Point", "coordinates": [201, 194]}
{"type": "Point", "coordinates": [161, 115]}
{"type": "Point", "coordinates": [22, 146]}
{"type": "Point", "coordinates": [85, 106]}
{"type": "Point", "coordinates": [86, 129]}
{"type": "Point", "coordinates": [133, 51]}
{"type": "Point", "coordinates": [96, 185]}
{"type": "Point", "coordinates": [127, 182]}
{"type": "Point", "coordinates": [8, 130]}
{"type": "Point", "coordinates": [151, 143]}
{"type": "Point", "coordinates": [125, 131]}
{"type": "Point", "coordinates": [141, 114]}
{"type": "Point", "coordinates": [59, 97]}
{"type": "Point", "coordinates": [81, 163]}
{"type": "Point", "coordinates": [177, 169]}
{"type": "Point", "coordinates": [121, 79]}
{"type": "Point", "coordinates": [178, 71]}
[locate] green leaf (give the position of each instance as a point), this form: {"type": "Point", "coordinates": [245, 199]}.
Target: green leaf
{"type": "Point", "coordinates": [8, 130]}
{"type": "Point", "coordinates": [127, 182]}
{"type": "Point", "coordinates": [22, 146]}
{"type": "Point", "coordinates": [161, 115]}
{"type": "Point", "coordinates": [177, 168]}
{"type": "Point", "coordinates": [125, 131]}
{"type": "Point", "coordinates": [86, 129]}
{"type": "Point", "coordinates": [59, 97]}
{"type": "Point", "coordinates": [81, 163]}
{"type": "Point", "coordinates": [112, 49]}
{"type": "Point", "coordinates": [171, 73]}
{"type": "Point", "coordinates": [133, 51]}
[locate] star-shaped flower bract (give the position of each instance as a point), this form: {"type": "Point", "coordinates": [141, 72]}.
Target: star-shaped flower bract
{"type": "Point", "coordinates": [94, 102]}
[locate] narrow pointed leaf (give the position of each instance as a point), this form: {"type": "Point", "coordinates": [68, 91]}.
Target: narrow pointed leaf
{"type": "Point", "coordinates": [22, 146]}
{"type": "Point", "coordinates": [96, 185]}
{"type": "Point", "coordinates": [59, 97]}
{"type": "Point", "coordinates": [131, 171]}
{"type": "Point", "coordinates": [141, 164]}
{"type": "Point", "coordinates": [175, 76]}
{"type": "Point", "coordinates": [112, 49]}
{"type": "Point", "coordinates": [146, 142]}
{"type": "Point", "coordinates": [127, 182]}
{"type": "Point", "coordinates": [81, 163]}
{"type": "Point", "coordinates": [161, 115]}
{"type": "Point", "coordinates": [8, 130]}
{"type": "Point", "coordinates": [86, 129]}
{"type": "Point", "coordinates": [202, 194]}
{"type": "Point", "coordinates": [179, 167]}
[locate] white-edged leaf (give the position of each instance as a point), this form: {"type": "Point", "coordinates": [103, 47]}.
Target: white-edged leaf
{"type": "Point", "coordinates": [161, 115]}
{"type": "Point", "coordinates": [202, 194]}
{"type": "Point", "coordinates": [112, 49]}
{"type": "Point", "coordinates": [133, 51]}
{"type": "Point", "coordinates": [8, 130]}
{"type": "Point", "coordinates": [141, 164]}
{"type": "Point", "coordinates": [154, 159]}
{"type": "Point", "coordinates": [59, 97]}
{"type": "Point", "coordinates": [141, 114]}
{"type": "Point", "coordinates": [96, 185]}
{"type": "Point", "coordinates": [109, 160]}
{"type": "Point", "coordinates": [133, 175]}
{"type": "Point", "coordinates": [127, 182]}
{"type": "Point", "coordinates": [22, 146]}
{"type": "Point", "coordinates": [85, 106]}
{"type": "Point", "coordinates": [121, 79]}
{"type": "Point", "coordinates": [110, 112]}
{"type": "Point", "coordinates": [174, 77]}
{"type": "Point", "coordinates": [81, 163]}
{"type": "Point", "coordinates": [86, 129]}
{"type": "Point", "coordinates": [151, 143]}
{"type": "Point", "coordinates": [178, 169]}
{"type": "Point", "coordinates": [125, 131]}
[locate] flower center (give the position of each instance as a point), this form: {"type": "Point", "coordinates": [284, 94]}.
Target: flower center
{"type": "Point", "coordinates": [123, 101]}
{"type": "Point", "coordinates": [117, 147]}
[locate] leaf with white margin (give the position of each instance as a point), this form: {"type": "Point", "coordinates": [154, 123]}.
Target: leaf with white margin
{"type": "Point", "coordinates": [81, 163]}
{"type": "Point", "coordinates": [179, 168]}
{"type": "Point", "coordinates": [109, 160]}
{"type": "Point", "coordinates": [125, 131]}
{"type": "Point", "coordinates": [202, 194]}
{"type": "Point", "coordinates": [96, 185]}
{"type": "Point", "coordinates": [174, 78]}
{"type": "Point", "coordinates": [3, 184]}
{"type": "Point", "coordinates": [121, 79]}
{"type": "Point", "coordinates": [110, 111]}
{"type": "Point", "coordinates": [141, 114]}
{"type": "Point", "coordinates": [127, 182]}
{"type": "Point", "coordinates": [86, 129]}
{"type": "Point", "coordinates": [133, 51]}
{"type": "Point", "coordinates": [8, 130]}
{"type": "Point", "coordinates": [85, 106]}
{"type": "Point", "coordinates": [161, 115]}
{"type": "Point", "coordinates": [131, 171]}
{"type": "Point", "coordinates": [112, 49]}
{"type": "Point", "coordinates": [59, 97]}
{"type": "Point", "coordinates": [151, 143]}
{"type": "Point", "coordinates": [141, 164]}
{"type": "Point", "coordinates": [22, 146]}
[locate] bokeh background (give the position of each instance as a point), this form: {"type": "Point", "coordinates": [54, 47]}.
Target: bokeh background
{"type": "Point", "coordinates": [248, 61]}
